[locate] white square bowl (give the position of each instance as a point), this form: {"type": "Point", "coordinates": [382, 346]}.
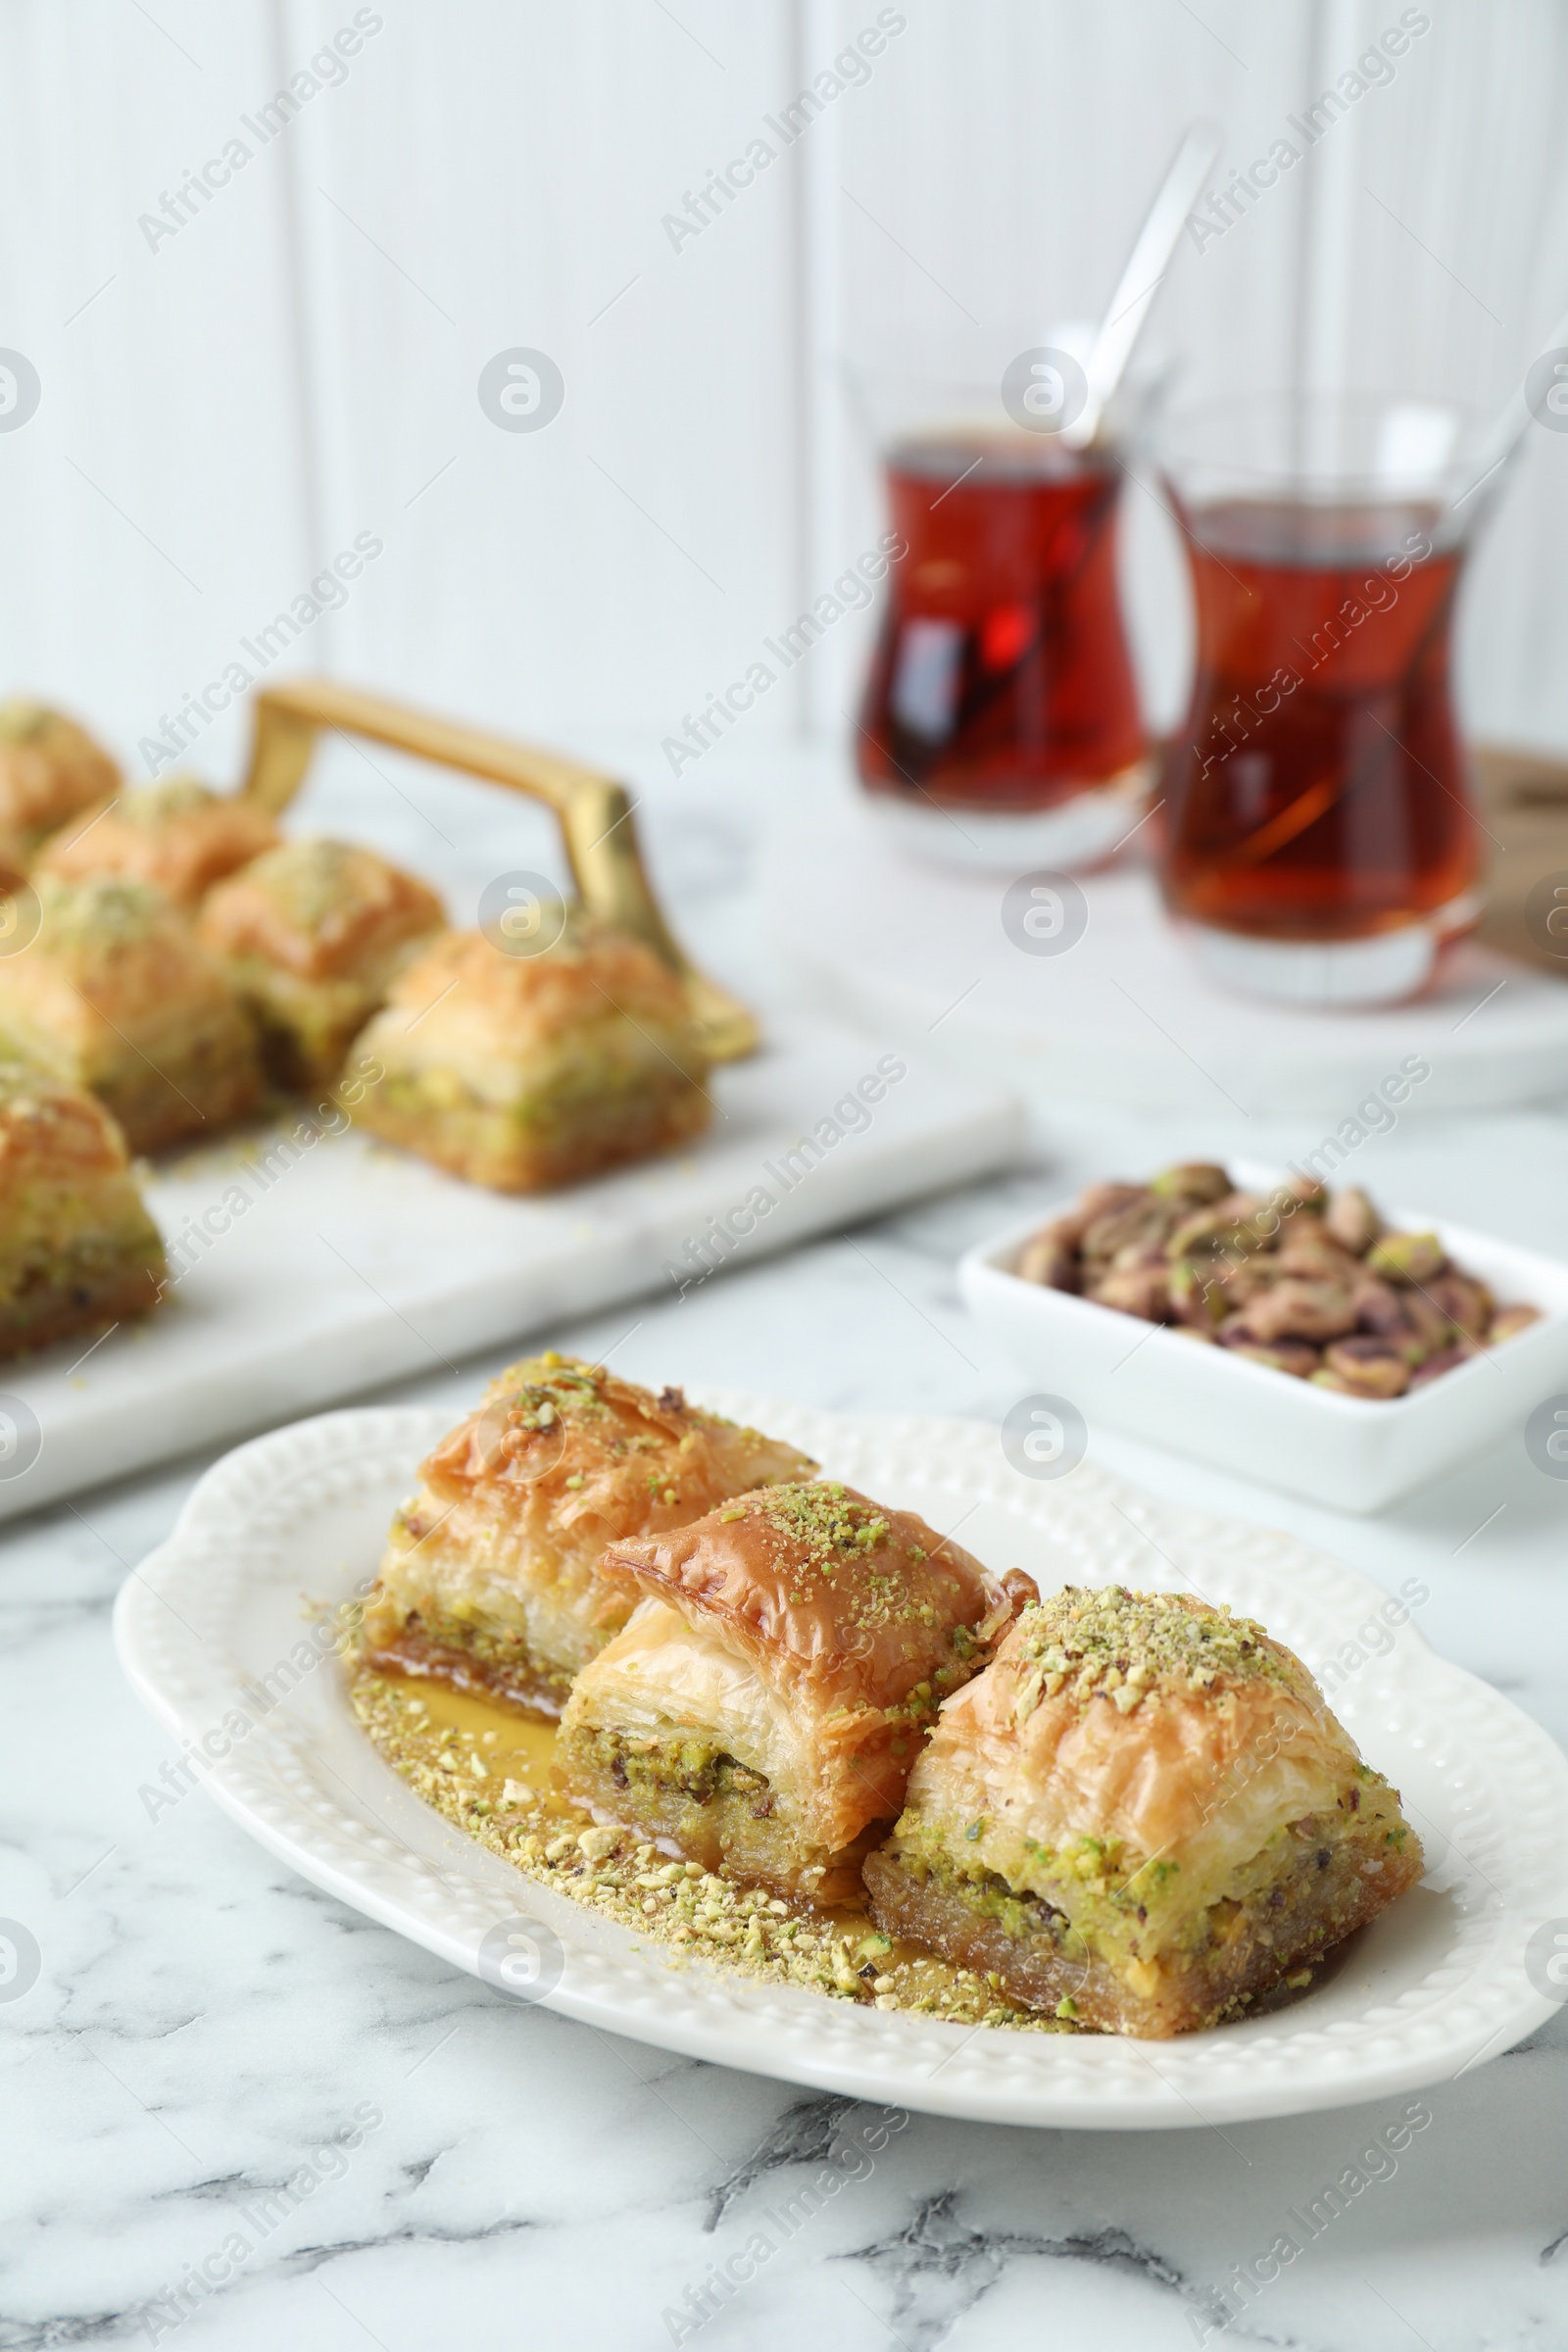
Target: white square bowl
{"type": "Point", "coordinates": [1354, 1453]}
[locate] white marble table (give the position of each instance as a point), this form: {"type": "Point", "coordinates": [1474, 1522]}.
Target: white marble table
{"type": "Point", "coordinates": [204, 2022]}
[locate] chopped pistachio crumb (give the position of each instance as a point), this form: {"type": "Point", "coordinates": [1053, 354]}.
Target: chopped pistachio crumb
{"type": "Point", "coordinates": [676, 1906]}
{"type": "Point", "coordinates": [1125, 1647]}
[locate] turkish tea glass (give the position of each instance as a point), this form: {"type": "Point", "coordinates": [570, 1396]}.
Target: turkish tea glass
{"type": "Point", "coordinates": [1317, 836]}
{"type": "Point", "coordinates": [1002, 693]}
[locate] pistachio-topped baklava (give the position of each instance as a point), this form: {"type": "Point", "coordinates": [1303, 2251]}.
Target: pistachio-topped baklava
{"type": "Point", "coordinates": [763, 1709]}
{"type": "Point", "coordinates": [313, 935]}
{"type": "Point", "coordinates": [1143, 1815]}
{"type": "Point", "coordinates": [491, 1577]}
{"type": "Point", "coordinates": [176, 834]}
{"type": "Point", "coordinates": [522, 1072]}
{"type": "Point", "coordinates": [77, 1248]}
{"type": "Point", "coordinates": [114, 995]}
{"type": "Point", "coordinates": [50, 769]}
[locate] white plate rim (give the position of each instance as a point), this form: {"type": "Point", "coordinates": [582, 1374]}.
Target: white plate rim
{"type": "Point", "coordinates": [1507, 1875]}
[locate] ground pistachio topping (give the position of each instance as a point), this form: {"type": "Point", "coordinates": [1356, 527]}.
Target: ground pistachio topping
{"type": "Point", "coordinates": [22, 722]}
{"type": "Point", "coordinates": [551, 1387]}
{"type": "Point", "coordinates": [694, 1914]}
{"type": "Point", "coordinates": [833, 1532]}
{"type": "Point", "coordinates": [824, 1520]}
{"type": "Point", "coordinates": [311, 881]}
{"type": "Point", "coordinates": [153, 804]}
{"type": "Point", "coordinates": [103, 910]}
{"type": "Point", "coordinates": [1120, 1645]}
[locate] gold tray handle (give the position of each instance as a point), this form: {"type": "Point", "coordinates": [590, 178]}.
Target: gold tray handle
{"type": "Point", "coordinates": [595, 814]}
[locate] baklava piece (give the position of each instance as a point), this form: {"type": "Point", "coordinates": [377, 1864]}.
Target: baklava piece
{"type": "Point", "coordinates": [115, 996]}
{"type": "Point", "coordinates": [523, 1072]}
{"type": "Point", "coordinates": [313, 935]}
{"type": "Point", "coordinates": [1143, 1816]}
{"type": "Point", "coordinates": [490, 1581]}
{"type": "Point", "coordinates": [176, 835]}
{"type": "Point", "coordinates": [78, 1249]}
{"type": "Point", "coordinates": [50, 769]}
{"type": "Point", "coordinates": [764, 1707]}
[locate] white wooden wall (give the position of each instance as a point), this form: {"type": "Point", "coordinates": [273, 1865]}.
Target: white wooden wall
{"type": "Point", "coordinates": [224, 413]}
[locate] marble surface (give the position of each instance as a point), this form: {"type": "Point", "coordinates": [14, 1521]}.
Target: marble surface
{"type": "Point", "coordinates": [240, 2115]}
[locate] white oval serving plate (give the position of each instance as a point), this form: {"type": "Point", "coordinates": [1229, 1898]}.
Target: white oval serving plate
{"type": "Point", "coordinates": [205, 1627]}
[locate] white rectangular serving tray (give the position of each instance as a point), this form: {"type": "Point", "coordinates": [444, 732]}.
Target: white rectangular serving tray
{"type": "Point", "coordinates": [1350, 1453]}
{"type": "Point", "coordinates": [328, 1268]}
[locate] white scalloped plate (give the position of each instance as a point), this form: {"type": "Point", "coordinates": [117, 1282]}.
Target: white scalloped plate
{"type": "Point", "coordinates": [1435, 1985]}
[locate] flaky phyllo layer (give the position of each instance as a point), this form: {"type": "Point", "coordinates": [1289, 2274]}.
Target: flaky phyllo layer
{"type": "Point", "coordinates": [176, 835]}
{"type": "Point", "coordinates": [764, 1705]}
{"type": "Point", "coordinates": [526, 1071]}
{"type": "Point", "coordinates": [491, 1573]}
{"type": "Point", "coordinates": [1135, 1772]}
{"type": "Point", "coordinates": [116, 996]}
{"type": "Point", "coordinates": [76, 1244]}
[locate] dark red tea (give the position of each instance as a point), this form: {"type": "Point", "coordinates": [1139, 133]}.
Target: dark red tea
{"type": "Point", "coordinates": [1318, 790]}
{"type": "Point", "coordinates": [1002, 677]}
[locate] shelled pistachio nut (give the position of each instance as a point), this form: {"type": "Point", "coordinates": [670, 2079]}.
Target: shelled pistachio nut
{"type": "Point", "coordinates": [1407, 1258]}
{"type": "Point", "coordinates": [1368, 1366]}
{"type": "Point", "coordinates": [1352, 1220]}
{"type": "Point", "coordinates": [1191, 1180]}
{"type": "Point", "coordinates": [1509, 1319]}
{"type": "Point", "coordinates": [1194, 1297]}
{"type": "Point", "coordinates": [1294, 1356]}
